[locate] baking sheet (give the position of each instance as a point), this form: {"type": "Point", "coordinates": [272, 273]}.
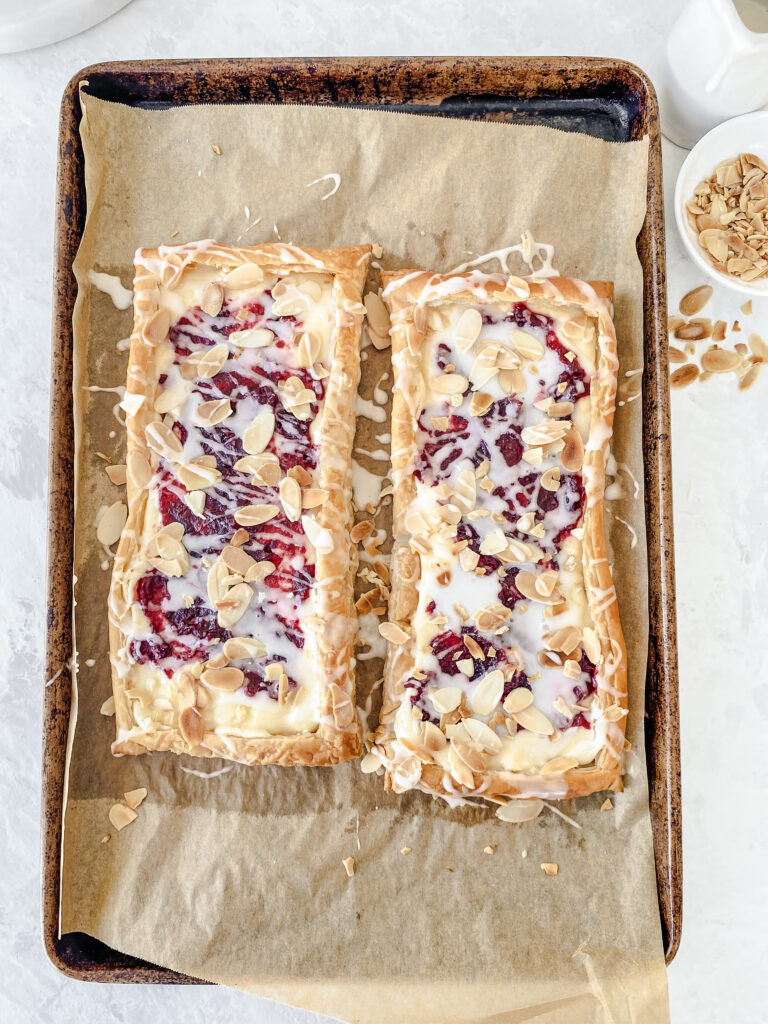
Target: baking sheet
{"type": "Point", "coordinates": [421, 934]}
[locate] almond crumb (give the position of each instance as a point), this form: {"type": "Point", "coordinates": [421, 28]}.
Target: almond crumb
{"type": "Point", "coordinates": [524, 854]}
{"type": "Point", "coordinates": [489, 849]}
{"type": "Point", "coordinates": [216, 149]}
{"type": "Point", "coordinates": [135, 797]}
{"type": "Point", "coordinates": [550, 869]}
{"type": "Point", "coordinates": [606, 805]}
{"type": "Point", "coordinates": [349, 865]}
{"type": "Point", "coordinates": [105, 838]}
{"type": "Point", "coordinates": [405, 850]}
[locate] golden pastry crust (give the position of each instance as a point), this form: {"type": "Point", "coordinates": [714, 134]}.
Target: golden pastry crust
{"type": "Point", "coordinates": [331, 639]}
{"type": "Point", "coordinates": [412, 296]}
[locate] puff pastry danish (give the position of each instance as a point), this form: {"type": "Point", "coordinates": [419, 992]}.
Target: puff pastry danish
{"type": "Point", "coordinates": [232, 621]}
{"type": "Point", "coordinates": [506, 665]}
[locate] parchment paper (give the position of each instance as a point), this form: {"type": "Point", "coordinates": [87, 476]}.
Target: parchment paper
{"type": "Point", "coordinates": [237, 878]}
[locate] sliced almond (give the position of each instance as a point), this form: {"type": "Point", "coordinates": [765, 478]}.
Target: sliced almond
{"type": "Point", "coordinates": [720, 360]}
{"type": "Point", "coordinates": [524, 343]}
{"type": "Point", "coordinates": [120, 816]}
{"type": "Point", "coordinates": [259, 571]}
{"type": "Point", "coordinates": [199, 473]}
{"type": "Point", "coordinates": [487, 693]}
{"type": "Point", "coordinates": [161, 439]}
{"type": "Point", "coordinates": [226, 679]}
{"type": "Point", "coordinates": [108, 707]}
{"type": "Point", "coordinates": [376, 312]}
{"type": "Point", "coordinates": [449, 384]}
{"type": "Point", "coordinates": [319, 538]}
{"type": "Point", "coordinates": [480, 403]}
{"type": "Point", "coordinates": [533, 720]}
{"type": "Point", "coordinates": [446, 699]}
{"type": "Point", "coordinates": [254, 515]}
{"type": "Point", "coordinates": [240, 648]}
{"type": "Point", "coordinates": [518, 700]}
{"type": "Point", "coordinates": [290, 497]}
{"type": "Point", "coordinates": [750, 377]}
{"type": "Point", "coordinates": [208, 362]}
{"type": "Point", "coordinates": [572, 455]}
{"type": "Point", "coordinates": [234, 605]}
{"type": "Point", "coordinates": [550, 479]}
{"type": "Point", "coordinates": [684, 375]}
{"type": "Point", "coordinates": [526, 584]}
{"type": "Point", "coordinates": [695, 300]}
{"type": "Point", "coordinates": [544, 433]}
{"type": "Point", "coordinates": [191, 726]}
{"type": "Point", "coordinates": [212, 300]}
{"type": "Point", "coordinates": [258, 435]}
{"type": "Point", "coordinates": [468, 328]}
{"type": "Point", "coordinates": [246, 276]}
{"type": "Point", "coordinates": [520, 810]}
{"type": "Point", "coordinates": [392, 632]}
{"type": "Point", "coordinates": [237, 560]}
{"type": "Point", "coordinates": [349, 866]}
{"type": "Point", "coordinates": [111, 523]}
{"type": "Point", "coordinates": [313, 497]}
{"type": "Point", "coordinates": [550, 869]}
{"type": "Point", "coordinates": [117, 474]}
{"type": "Point", "coordinates": [156, 327]}
{"type": "Point", "coordinates": [252, 337]}
{"type": "Point", "coordinates": [559, 765]}
{"type": "Point", "coordinates": [458, 767]}
{"type": "Point", "coordinates": [213, 412]}
{"type": "Point", "coordinates": [759, 347]}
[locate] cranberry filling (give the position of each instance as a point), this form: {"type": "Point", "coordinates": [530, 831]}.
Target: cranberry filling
{"type": "Point", "coordinates": [185, 633]}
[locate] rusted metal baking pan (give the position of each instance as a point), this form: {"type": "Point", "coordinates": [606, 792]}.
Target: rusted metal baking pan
{"type": "Point", "coordinates": [605, 98]}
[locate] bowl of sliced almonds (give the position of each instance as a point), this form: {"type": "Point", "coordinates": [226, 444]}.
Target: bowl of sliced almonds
{"type": "Point", "coordinates": [721, 203]}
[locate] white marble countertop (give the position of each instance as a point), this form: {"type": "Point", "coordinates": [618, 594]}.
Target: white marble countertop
{"type": "Point", "coordinates": [720, 473]}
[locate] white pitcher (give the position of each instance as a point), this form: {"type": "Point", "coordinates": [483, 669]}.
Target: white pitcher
{"type": "Point", "coordinates": [716, 66]}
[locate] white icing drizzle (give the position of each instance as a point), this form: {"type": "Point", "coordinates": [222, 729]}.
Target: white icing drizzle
{"type": "Point", "coordinates": [335, 179]}
{"type": "Point", "coordinates": [371, 410]}
{"type": "Point", "coordinates": [632, 531]}
{"type": "Point", "coordinates": [528, 248]}
{"type": "Point", "coordinates": [366, 486]}
{"type": "Point", "coordinates": [112, 286]}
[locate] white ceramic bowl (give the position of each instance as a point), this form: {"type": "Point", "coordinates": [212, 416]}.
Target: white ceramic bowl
{"type": "Point", "coordinates": [745, 134]}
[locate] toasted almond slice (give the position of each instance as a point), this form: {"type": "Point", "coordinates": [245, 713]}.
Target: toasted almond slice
{"type": "Point", "coordinates": [558, 765]}
{"type": "Point", "coordinates": [524, 343]}
{"type": "Point", "coordinates": [695, 300]}
{"type": "Point", "coordinates": [313, 497]}
{"type": "Point", "coordinates": [199, 473]}
{"type": "Point", "coordinates": [572, 455]}
{"type": "Point", "coordinates": [191, 726]}
{"type": "Point", "coordinates": [480, 403]}
{"type": "Point", "coordinates": [139, 471]}
{"type": "Point", "coordinates": [533, 720]}
{"type": "Point", "coordinates": [237, 560]}
{"type": "Point", "coordinates": [550, 479]}
{"type": "Point", "coordinates": [518, 700]}
{"type": "Point", "coordinates": [483, 735]}
{"type": "Point", "coordinates": [290, 497]}
{"type": "Point", "coordinates": [392, 632]}
{"type": "Point", "coordinates": [156, 327]}
{"type": "Point", "coordinates": [246, 276]}
{"type": "Point", "coordinates": [487, 693]}
{"type": "Point", "coordinates": [558, 409]}
{"type": "Point", "coordinates": [240, 648]}
{"type": "Point", "coordinates": [234, 605]}
{"type": "Point", "coordinates": [468, 328]}
{"type": "Point", "coordinates": [759, 347]}
{"type": "Point", "coordinates": [117, 474]}
{"type": "Point", "coordinates": [565, 639]}
{"type": "Point", "coordinates": [449, 384]}
{"type": "Point", "coordinates": [255, 515]}
{"type": "Point", "coordinates": [259, 571]}
{"type": "Point", "coordinates": [319, 538]}
{"type": "Point", "coordinates": [349, 866]}
{"type": "Point", "coordinates": [550, 869]}
{"type": "Point", "coordinates": [258, 435]}
{"type": "Point", "coordinates": [209, 361]}
{"type": "Point", "coordinates": [720, 360]}
{"type": "Point", "coordinates": [376, 312]}
{"type": "Point", "coordinates": [213, 412]}
{"type": "Point", "coordinates": [750, 377]}
{"type": "Point", "coordinates": [614, 713]}
{"type": "Point", "coordinates": [299, 473]}
{"type": "Point", "coordinates": [458, 767]}
{"type": "Point", "coordinates": [226, 679]}
{"type": "Point", "coordinates": [684, 375]}
{"type": "Point", "coordinates": [520, 810]}
{"type": "Point", "coordinates": [446, 699]}
{"type": "Point", "coordinates": [676, 355]}
{"type": "Point", "coordinates": [370, 763]}
{"type": "Point", "coordinates": [212, 300]}
{"type": "Point", "coordinates": [135, 797]}
{"type": "Point", "coordinates": [526, 584]}
{"type": "Point", "coordinates": [161, 439]}
{"type": "Point", "coordinates": [111, 523]}
{"type": "Point", "coordinates": [544, 433]}
{"type": "Point", "coordinates": [545, 582]}
{"type": "Point", "coordinates": [308, 349]}
{"type": "Point", "coordinates": [252, 337]}
{"type": "Point", "coordinates": [120, 816]}
{"type": "Point", "coordinates": [108, 707]}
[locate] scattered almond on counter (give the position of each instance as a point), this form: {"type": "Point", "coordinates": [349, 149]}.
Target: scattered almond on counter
{"type": "Point", "coordinates": [550, 869]}
{"type": "Point", "coordinates": [349, 865]}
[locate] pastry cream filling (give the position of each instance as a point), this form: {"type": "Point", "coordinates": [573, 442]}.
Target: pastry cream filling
{"type": "Point", "coordinates": [153, 688]}
{"type": "Point", "coordinates": [463, 488]}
